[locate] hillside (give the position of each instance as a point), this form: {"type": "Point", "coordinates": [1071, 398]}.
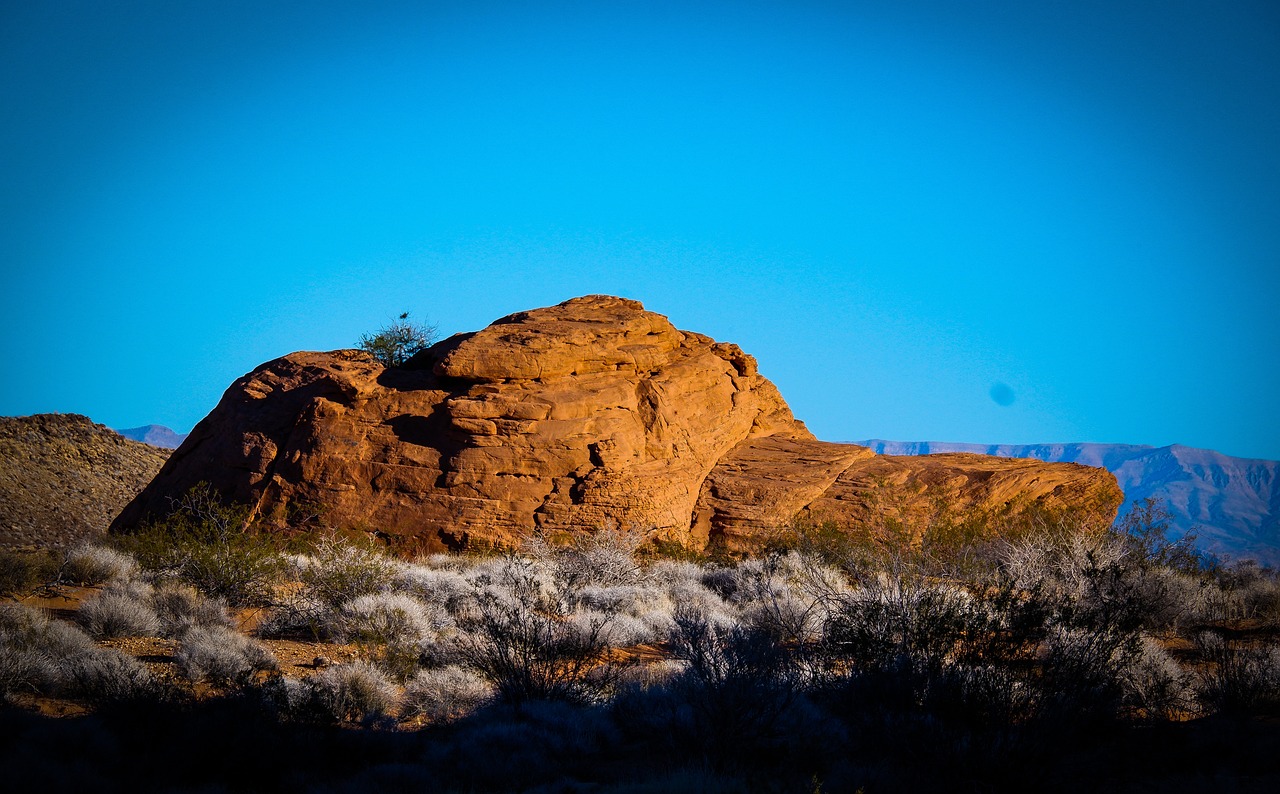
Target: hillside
{"type": "Point", "coordinates": [1232, 503]}
{"type": "Point", "coordinates": [63, 478]}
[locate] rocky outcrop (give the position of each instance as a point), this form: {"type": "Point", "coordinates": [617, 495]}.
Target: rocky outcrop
{"type": "Point", "coordinates": [563, 419]}
{"type": "Point", "coordinates": [1231, 505]}
{"type": "Point", "coordinates": [63, 478]}
{"type": "Point", "coordinates": [768, 483]}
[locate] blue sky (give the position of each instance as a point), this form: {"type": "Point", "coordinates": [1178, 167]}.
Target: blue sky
{"type": "Point", "coordinates": [990, 222]}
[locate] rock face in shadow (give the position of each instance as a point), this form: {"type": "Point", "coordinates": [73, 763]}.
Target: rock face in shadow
{"type": "Point", "coordinates": [569, 418]}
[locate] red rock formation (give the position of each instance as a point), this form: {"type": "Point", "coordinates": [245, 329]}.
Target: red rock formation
{"type": "Point", "coordinates": [566, 418]}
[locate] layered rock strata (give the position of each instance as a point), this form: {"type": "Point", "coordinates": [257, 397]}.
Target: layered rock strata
{"type": "Point", "coordinates": [569, 418]}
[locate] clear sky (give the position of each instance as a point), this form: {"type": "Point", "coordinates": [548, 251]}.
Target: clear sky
{"type": "Point", "coordinates": [1005, 222]}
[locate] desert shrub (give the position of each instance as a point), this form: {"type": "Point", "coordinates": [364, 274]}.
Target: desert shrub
{"type": "Point", "coordinates": [721, 580]}
{"type": "Point", "coordinates": [1249, 592]}
{"type": "Point", "coordinates": [22, 570]}
{"type": "Point", "coordinates": [349, 692]}
{"type": "Point", "coordinates": [32, 647]}
{"type": "Point", "coordinates": [641, 612]}
{"type": "Point", "coordinates": [339, 571]}
{"type": "Point", "coordinates": [1239, 679]}
{"type": "Point", "coordinates": [120, 612]}
{"type": "Point", "coordinates": [789, 596]}
{"type": "Point", "coordinates": [393, 628]}
{"type": "Point", "coordinates": [51, 657]}
{"type": "Point", "coordinates": [681, 583]}
{"type": "Point", "coordinates": [738, 683]}
{"type": "Point", "coordinates": [1144, 530]}
{"type": "Point", "coordinates": [517, 636]}
{"type": "Point", "coordinates": [900, 622]}
{"type": "Point", "coordinates": [383, 618]}
{"type": "Point", "coordinates": [297, 614]}
{"type": "Point", "coordinates": [603, 558]}
{"type": "Point", "coordinates": [397, 342]}
{"type": "Point", "coordinates": [210, 545]}
{"type": "Point", "coordinates": [93, 565]}
{"type": "Point", "coordinates": [629, 599]}
{"type": "Point", "coordinates": [1094, 674]}
{"type": "Point", "coordinates": [445, 694]}
{"type": "Point", "coordinates": [445, 587]}
{"type": "Point", "coordinates": [20, 669]}
{"type": "Point", "coordinates": [1101, 582]}
{"type": "Point", "coordinates": [673, 573]}
{"type": "Point", "coordinates": [105, 675]}
{"type": "Point", "coordinates": [221, 656]}
{"type": "Point", "coordinates": [239, 572]}
{"type": "Point", "coordinates": [614, 630]}
{"type": "Point", "coordinates": [181, 607]}
{"type": "Point", "coordinates": [1154, 685]}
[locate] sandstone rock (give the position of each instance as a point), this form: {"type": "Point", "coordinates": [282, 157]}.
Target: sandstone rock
{"type": "Point", "coordinates": [562, 419]}
{"type": "Point", "coordinates": [766, 483]}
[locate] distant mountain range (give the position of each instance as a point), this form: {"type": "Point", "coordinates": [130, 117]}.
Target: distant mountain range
{"type": "Point", "coordinates": [1233, 504]}
{"type": "Point", "coordinates": [155, 435]}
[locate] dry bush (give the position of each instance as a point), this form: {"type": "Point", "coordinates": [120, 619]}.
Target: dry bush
{"type": "Point", "coordinates": [516, 633]}
{"type": "Point", "coordinates": [94, 565]}
{"type": "Point", "coordinates": [106, 675]}
{"type": "Point", "coordinates": [210, 544]}
{"type": "Point", "coordinates": [297, 614]}
{"type": "Point", "coordinates": [1239, 679]}
{"type": "Point", "coordinates": [641, 612]}
{"type": "Point", "coordinates": [900, 622]}
{"type": "Point", "coordinates": [445, 694]}
{"type": "Point", "coordinates": [181, 607]}
{"type": "Point", "coordinates": [356, 692]}
{"type": "Point", "coordinates": [20, 571]}
{"type": "Point", "coordinates": [33, 647]}
{"type": "Point", "coordinates": [383, 618]}
{"type": "Point", "coordinates": [613, 629]}
{"type": "Point", "coordinates": [222, 656]}
{"type": "Point", "coordinates": [789, 596]}
{"type": "Point", "coordinates": [738, 684]}
{"type": "Point", "coordinates": [445, 587]}
{"type": "Point", "coordinates": [396, 630]}
{"type": "Point", "coordinates": [605, 558]}
{"type": "Point", "coordinates": [50, 657]}
{"type": "Point", "coordinates": [339, 571]}
{"type": "Point", "coordinates": [1155, 686]}
{"type": "Point", "coordinates": [1250, 592]}
{"type": "Point", "coordinates": [120, 612]}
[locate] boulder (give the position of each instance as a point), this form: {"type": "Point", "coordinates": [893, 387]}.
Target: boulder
{"type": "Point", "coordinates": [558, 420]}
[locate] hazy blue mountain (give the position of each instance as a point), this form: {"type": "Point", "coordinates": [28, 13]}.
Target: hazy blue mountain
{"type": "Point", "coordinates": [1232, 503]}
{"type": "Point", "coordinates": [155, 435]}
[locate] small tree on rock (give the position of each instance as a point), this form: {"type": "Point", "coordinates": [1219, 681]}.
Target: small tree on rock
{"type": "Point", "coordinates": [396, 343]}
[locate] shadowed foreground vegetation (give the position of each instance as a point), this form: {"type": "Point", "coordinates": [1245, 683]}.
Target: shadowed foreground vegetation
{"type": "Point", "coordinates": [1056, 659]}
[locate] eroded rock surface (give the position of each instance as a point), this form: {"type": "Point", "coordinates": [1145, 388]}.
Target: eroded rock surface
{"type": "Point", "coordinates": [562, 419]}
